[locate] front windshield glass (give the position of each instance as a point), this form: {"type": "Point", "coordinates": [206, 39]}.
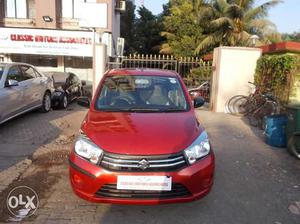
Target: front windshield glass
{"type": "Point", "coordinates": [141, 94]}
{"type": "Point", "coordinates": [1, 71]}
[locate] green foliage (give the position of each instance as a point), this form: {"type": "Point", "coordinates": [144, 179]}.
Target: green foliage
{"type": "Point", "coordinates": [199, 75]}
{"type": "Point", "coordinates": [182, 29]}
{"type": "Point", "coordinates": [274, 74]}
{"type": "Point", "coordinates": [195, 27]}
{"type": "Point", "coordinates": [141, 33]}
{"type": "Point", "coordinates": [291, 37]}
{"type": "Point", "coordinates": [233, 22]}
{"type": "Point", "coordinates": [148, 28]}
{"type": "Point", "coordinates": [127, 27]}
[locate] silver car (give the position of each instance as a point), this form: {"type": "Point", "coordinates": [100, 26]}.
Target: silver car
{"type": "Point", "coordinates": [22, 89]}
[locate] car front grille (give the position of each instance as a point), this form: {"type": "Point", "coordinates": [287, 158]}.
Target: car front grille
{"type": "Point", "coordinates": [126, 163]}
{"type": "Point", "coordinates": [111, 191]}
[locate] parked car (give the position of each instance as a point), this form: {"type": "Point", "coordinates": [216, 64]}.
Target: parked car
{"type": "Point", "coordinates": [140, 142]}
{"type": "Point", "coordinates": [22, 89]}
{"type": "Point", "coordinates": [67, 88]}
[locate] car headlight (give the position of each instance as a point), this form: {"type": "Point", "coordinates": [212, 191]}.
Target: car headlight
{"type": "Point", "coordinates": [199, 148]}
{"type": "Point", "coordinates": [85, 148]}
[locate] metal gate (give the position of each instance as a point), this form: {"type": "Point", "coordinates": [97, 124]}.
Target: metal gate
{"type": "Point", "coordinates": [193, 70]}
{"type": "Point", "coordinates": [184, 65]}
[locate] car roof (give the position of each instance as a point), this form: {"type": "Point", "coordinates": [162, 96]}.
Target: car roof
{"type": "Point", "coordinates": [142, 71]}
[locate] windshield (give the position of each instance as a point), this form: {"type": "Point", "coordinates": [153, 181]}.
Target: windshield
{"type": "Point", "coordinates": [1, 71]}
{"type": "Point", "coordinates": [58, 77]}
{"type": "Point", "coordinates": [141, 94]}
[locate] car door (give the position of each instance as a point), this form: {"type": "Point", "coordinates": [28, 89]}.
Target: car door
{"type": "Point", "coordinates": [12, 98]}
{"type": "Point", "coordinates": [34, 86]}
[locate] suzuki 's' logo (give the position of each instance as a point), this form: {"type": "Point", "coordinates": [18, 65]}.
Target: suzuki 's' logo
{"type": "Point", "coordinates": [144, 164]}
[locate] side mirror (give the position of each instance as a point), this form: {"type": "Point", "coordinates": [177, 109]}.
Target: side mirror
{"type": "Point", "coordinates": [198, 102]}
{"type": "Point", "coordinates": [84, 102]}
{"type": "Point", "coordinates": [11, 82]}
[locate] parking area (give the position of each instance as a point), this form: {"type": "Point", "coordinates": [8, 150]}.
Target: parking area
{"type": "Point", "coordinates": [254, 183]}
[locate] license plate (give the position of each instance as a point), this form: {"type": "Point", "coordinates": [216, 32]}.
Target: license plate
{"type": "Point", "coordinates": [151, 183]}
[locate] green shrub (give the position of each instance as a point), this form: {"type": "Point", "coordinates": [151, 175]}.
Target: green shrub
{"type": "Point", "coordinates": [274, 74]}
{"type": "Point", "coordinates": [198, 75]}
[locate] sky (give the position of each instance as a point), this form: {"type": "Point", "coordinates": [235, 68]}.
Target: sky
{"type": "Point", "coordinates": [286, 15]}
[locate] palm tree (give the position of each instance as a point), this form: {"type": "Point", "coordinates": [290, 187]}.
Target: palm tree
{"type": "Point", "coordinates": [233, 22]}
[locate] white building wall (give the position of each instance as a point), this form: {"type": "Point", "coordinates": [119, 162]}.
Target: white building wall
{"type": "Point", "coordinates": [234, 67]}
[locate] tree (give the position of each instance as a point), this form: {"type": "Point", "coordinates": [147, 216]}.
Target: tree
{"type": "Point", "coordinates": [182, 29]}
{"type": "Point", "coordinates": [233, 22]}
{"type": "Point", "coordinates": [148, 28]}
{"type": "Point", "coordinates": [291, 37]}
{"type": "Point", "coordinates": [127, 27]}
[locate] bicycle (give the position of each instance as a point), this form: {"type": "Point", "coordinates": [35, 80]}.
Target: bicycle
{"type": "Point", "coordinates": [255, 106]}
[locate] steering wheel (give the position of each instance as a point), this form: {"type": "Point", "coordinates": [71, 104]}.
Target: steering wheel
{"type": "Point", "coordinates": [122, 101]}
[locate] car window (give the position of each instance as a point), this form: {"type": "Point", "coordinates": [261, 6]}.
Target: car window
{"type": "Point", "coordinates": [1, 71]}
{"type": "Point", "coordinates": [14, 73]}
{"type": "Point", "coordinates": [59, 77]}
{"type": "Point", "coordinates": [141, 94]}
{"type": "Point", "coordinates": [28, 72]}
{"type": "Point", "coordinates": [37, 74]}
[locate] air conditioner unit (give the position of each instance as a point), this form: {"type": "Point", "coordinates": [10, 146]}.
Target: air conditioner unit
{"type": "Point", "coordinates": [121, 5]}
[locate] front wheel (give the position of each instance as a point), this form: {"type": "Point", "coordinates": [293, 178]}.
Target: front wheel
{"type": "Point", "coordinates": [46, 105]}
{"type": "Point", "coordinates": [64, 102]}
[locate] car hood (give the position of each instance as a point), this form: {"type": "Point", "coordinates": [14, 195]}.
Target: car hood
{"type": "Point", "coordinates": [142, 133]}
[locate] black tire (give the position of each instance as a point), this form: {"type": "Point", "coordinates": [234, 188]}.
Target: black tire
{"type": "Point", "coordinates": [292, 147]}
{"type": "Point", "coordinates": [46, 105]}
{"type": "Point", "coordinates": [63, 104]}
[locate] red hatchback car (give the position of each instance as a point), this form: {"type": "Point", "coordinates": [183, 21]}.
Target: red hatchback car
{"type": "Point", "coordinates": [140, 142]}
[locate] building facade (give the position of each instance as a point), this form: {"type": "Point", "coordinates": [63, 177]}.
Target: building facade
{"type": "Point", "coordinates": [32, 25]}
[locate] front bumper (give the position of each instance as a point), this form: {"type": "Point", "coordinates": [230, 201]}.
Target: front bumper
{"type": "Point", "coordinates": [87, 179]}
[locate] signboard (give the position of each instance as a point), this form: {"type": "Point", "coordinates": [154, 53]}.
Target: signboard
{"type": "Point", "coordinates": [93, 15]}
{"type": "Point", "coordinates": [46, 42]}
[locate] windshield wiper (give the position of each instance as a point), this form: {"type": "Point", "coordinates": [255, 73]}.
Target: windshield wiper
{"type": "Point", "coordinates": [142, 110]}
{"type": "Point", "coordinates": [172, 110]}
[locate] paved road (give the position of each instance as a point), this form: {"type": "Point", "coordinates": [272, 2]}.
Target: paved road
{"type": "Point", "coordinates": [254, 183]}
{"type": "Point", "coordinates": [20, 137]}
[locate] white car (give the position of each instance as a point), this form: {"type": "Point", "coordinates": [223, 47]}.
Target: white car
{"type": "Point", "coordinates": [22, 89]}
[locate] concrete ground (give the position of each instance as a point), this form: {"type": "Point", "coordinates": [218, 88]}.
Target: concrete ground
{"type": "Point", "coordinates": [254, 183]}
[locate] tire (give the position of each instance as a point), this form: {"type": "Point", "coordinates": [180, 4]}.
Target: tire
{"type": "Point", "coordinates": [46, 105]}
{"type": "Point", "coordinates": [235, 105]}
{"type": "Point", "coordinates": [292, 147]}
{"type": "Point", "coordinates": [63, 104]}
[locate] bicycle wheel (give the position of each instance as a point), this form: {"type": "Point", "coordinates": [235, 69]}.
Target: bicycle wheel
{"type": "Point", "coordinates": [254, 102]}
{"type": "Point", "coordinates": [236, 105]}
{"type": "Point", "coordinates": [294, 145]}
